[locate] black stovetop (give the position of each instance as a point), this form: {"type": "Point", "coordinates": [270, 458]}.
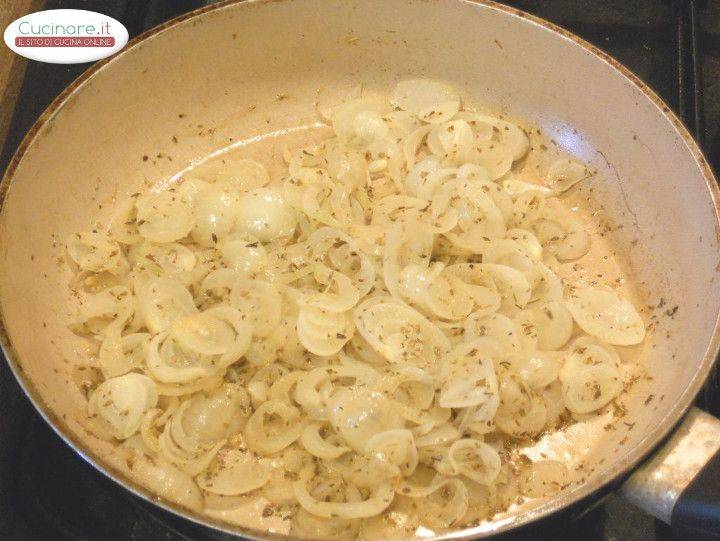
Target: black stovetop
{"type": "Point", "coordinates": [48, 492]}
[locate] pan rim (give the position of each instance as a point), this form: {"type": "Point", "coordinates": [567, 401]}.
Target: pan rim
{"type": "Point", "coordinates": [580, 493]}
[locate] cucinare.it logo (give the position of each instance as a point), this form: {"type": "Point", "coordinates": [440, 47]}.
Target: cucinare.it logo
{"type": "Point", "coordinates": [66, 36]}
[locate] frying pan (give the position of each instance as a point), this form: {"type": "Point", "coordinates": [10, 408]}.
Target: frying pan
{"type": "Point", "coordinates": [223, 74]}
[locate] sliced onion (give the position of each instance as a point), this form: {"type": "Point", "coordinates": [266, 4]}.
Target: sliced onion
{"type": "Point", "coordinates": [554, 324]}
{"type": "Point", "coordinates": [119, 355]}
{"type": "Point", "coordinates": [167, 481]}
{"type": "Point", "coordinates": [431, 101]}
{"type": "Point", "coordinates": [233, 472]}
{"type": "Point", "coordinates": [590, 377]}
{"type": "Point", "coordinates": [399, 333]}
{"type": "Point", "coordinates": [123, 225]}
{"type": "Point", "coordinates": [565, 173]}
{"type": "Point", "coordinates": [220, 331]}
{"type": "Point", "coordinates": [122, 401]}
{"type": "Point", "coordinates": [475, 459]}
{"type": "Point", "coordinates": [106, 312]}
{"type": "Point", "coordinates": [164, 216]}
{"type": "Point", "coordinates": [444, 502]}
{"type": "Point", "coordinates": [395, 449]}
{"type": "Point", "coordinates": [469, 376]}
{"type": "Point", "coordinates": [323, 332]}
{"type": "Point", "coordinates": [540, 368]}
{"type": "Point", "coordinates": [344, 117]}
{"type": "Point", "coordinates": [259, 302]}
{"type": "Point", "coordinates": [522, 411]}
{"type": "Point", "coordinates": [317, 446]}
{"type": "Point", "coordinates": [161, 301]}
{"type": "Point", "coordinates": [246, 175]}
{"type": "Point", "coordinates": [273, 427]}
{"type": "Point", "coordinates": [97, 252]}
{"type": "Point", "coordinates": [380, 499]}
{"type": "Point", "coordinates": [358, 415]}
{"type": "Point", "coordinates": [264, 214]}
{"type": "Point", "coordinates": [606, 316]}
{"type": "Point", "coordinates": [243, 253]}
{"type": "Point", "coordinates": [215, 211]}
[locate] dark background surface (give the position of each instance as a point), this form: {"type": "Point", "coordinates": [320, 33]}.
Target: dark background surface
{"type": "Point", "coordinates": [48, 492]}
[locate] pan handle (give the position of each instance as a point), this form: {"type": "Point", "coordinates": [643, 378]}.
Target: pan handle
{"type": "Point", "coordinates": [680, 483]}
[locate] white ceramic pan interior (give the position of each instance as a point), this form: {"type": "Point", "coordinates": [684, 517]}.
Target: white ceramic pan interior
{"type": "Point", "coordinates": [257, 69]}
